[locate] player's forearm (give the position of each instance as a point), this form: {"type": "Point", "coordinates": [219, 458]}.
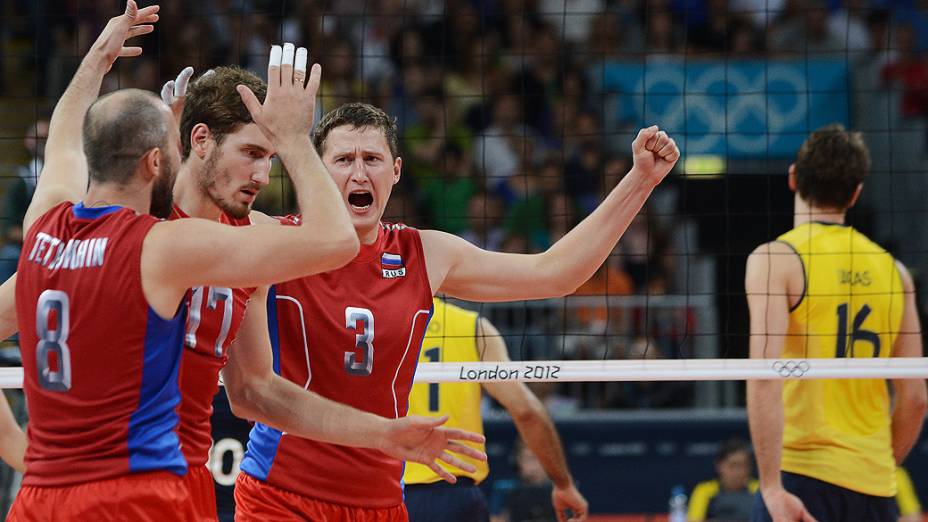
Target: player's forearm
{"type": "Point", "coordinates": [765, 416]}
{"type": "Point", "coordinates": [12, 438]}
{"type": "Point", "coordinates": [575, 257]}
{"type": "Point", "coordinates": [287, 407]}
{"type": "Point", "coordinates": [537, 430]}
{"type": "Point", "coordinates": [317, 196]}
{"type": "Point", "coordinates": [908, 417]}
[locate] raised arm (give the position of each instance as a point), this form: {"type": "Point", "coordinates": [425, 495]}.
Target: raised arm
{"type": "Point", "coordinates": [256, 393]}
{"type": "Point", "coordinates": [460, 269]}
{"type": "Point", "coordinates": [909, 395]}
{"type": "Point", "coordinates": [189, 252]}
{"type": "Point", "coordinates": [64, 175]}
{"type": "Point", "coordinates": [534, 424]}
{"type": "Point", "coordinates": [767, 288]}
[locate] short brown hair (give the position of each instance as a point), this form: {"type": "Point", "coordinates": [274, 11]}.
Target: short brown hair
{"type": "Point", "coordinates": [831, 163]}
{"type": "Point", "coordinates": [358, 116]}
{"type": "Point", "coordinates": [213, 100]}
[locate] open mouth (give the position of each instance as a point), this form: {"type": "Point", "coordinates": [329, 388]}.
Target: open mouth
{"type": "Point", "coordinates": [361, 199]}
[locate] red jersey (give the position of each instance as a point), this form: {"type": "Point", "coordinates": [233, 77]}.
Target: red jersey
{"type": "Point", "coordinates": [214, 316]}
{"type": "Point", "coordinates": [352, 335]}
{"type": "Point", "coordinates": [100, 365]}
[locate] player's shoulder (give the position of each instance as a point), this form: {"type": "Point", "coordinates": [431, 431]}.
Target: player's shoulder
{"type": "Point", "coordinates": [260, 218]}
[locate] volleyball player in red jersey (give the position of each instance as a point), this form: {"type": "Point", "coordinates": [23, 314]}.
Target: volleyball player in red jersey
{"type": "Point", "coordinates": [100, 286]}
{"type": "Point", "coordinates": [226, 162]}
{"type": "Point", "coordinates": [353, 334]}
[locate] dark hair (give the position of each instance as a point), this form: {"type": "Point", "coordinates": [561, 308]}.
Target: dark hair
{"type": "Point", "coordinates": [830, 165]}
{"type": "Point", "coordinates": [358, 116]}
{"type": "Point", "coordinates": [730, 447]}
{"type": "Point", "coordinates": [119, 129]}
{"type": "Point", "coordinates": [213, 101]}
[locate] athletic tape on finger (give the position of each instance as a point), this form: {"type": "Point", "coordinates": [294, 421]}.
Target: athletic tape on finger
{"type": "Point", "coordinates": [288, 54]}
{"type": "Point", "coordinates": [180, 84]}
{"type": "Point", "coordinates": [301, 56]}
{"type": "Point", "coordinates": [167, 92]}
{"type": "Point", "coordinates": [275, 56]}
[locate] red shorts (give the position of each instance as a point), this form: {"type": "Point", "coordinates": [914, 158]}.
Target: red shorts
{"type": "Point", "coordinates": [154, 496]}
{"type": "Point", "coordinates": [257, 501]}
{"type": "Point", "coordinates": [199, 481]}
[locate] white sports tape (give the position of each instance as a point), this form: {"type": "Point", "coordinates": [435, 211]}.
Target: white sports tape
{"type": "Point", "coordinates": [275, 56]}
{"type": "Point", "coordinates": [301, 56]}
{"type": "Point", "coordinates": [288, 54]}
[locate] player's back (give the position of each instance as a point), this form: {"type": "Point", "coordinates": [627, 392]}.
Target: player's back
{"type": "Point", "coordinates": [214, 317]}
{"type": "Point", "coordinates": [838, 430]}
{"type": "Point", "coordinates": [451, 337]}
{"type": "Point", "coordinates": [100, 365]}
{"type": "Point", "coordinates": [351, 335]}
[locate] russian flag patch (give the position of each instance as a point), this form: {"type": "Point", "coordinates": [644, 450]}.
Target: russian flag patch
{"type": "Point", "coordinates": [392, 266]}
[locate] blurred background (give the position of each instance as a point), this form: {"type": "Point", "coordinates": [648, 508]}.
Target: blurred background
{"type": "Point", "coordinates": [515, 118]}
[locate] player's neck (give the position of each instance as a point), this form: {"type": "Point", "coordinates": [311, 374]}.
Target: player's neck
{"type": "Point", "coordinates": [368, 237]}
{"type": "Point", "coordinates": [189, 196]}
{"type": "Point", "coordinates": [129, 196]}
{"type": "Point", "coordinates": [806, 213]}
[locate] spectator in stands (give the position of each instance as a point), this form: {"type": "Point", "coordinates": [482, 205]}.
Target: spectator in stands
{"type": "Point", "coordinates": [484, 220]}
{"type": "Point", "coordinates": [500, 149]}
{"type": "Point", "coordinates": [909, 72]}
{"type": "Point", "coordinates": [807, 32]}
{"type": "Point", "coordinates": [19, 194]}
{"type": "Point", "coordinates": [729, 496]}
{"type": "Point", "coordinates": [448, 197]}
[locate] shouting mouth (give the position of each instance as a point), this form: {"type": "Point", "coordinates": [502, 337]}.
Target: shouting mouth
{"type": "Point", "coordinates": [360, 200]}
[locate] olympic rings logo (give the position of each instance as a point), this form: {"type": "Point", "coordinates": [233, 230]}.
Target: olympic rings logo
{"type": "Point", "coordinates": [791, 368]}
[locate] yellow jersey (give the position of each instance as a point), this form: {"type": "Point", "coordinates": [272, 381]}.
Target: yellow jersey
{"type": "Point", "coordinates": [451, 337]}
{"type": "Point", "coordinates": [838, 430]}
{"type": "Point", "coordinates": [906, 498]}
{"type": "Point", "coordinates": [704, 492]}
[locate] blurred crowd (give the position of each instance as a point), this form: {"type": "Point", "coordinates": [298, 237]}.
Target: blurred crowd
{"type": "Point", "coordinates": [504, 133]}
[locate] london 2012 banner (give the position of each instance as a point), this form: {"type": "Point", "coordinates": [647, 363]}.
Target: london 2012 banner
{"type": "Point", "coordinates": [738, 109]}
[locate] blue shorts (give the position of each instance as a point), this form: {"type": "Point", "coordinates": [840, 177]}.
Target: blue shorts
{"type": "Point", "coordinates": [461, 502]}
{"type": "Point", "coordinates": [829, 503]}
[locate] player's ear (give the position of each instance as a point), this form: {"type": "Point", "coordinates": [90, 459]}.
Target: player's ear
{"type": "Point", "coordinates": [856, 196]}
{"type": "Point", "coordinates": [792, 177]}
{"type": "Point", "coordinates": [150, 164]}
{"type": "Point", "coordinates": [397, 169]}
{"type": "Point", "coordinates": [200, 136]}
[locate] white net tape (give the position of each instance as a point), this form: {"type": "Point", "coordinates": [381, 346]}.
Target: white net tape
{"type": "Point", "coordinates": [647, 370]}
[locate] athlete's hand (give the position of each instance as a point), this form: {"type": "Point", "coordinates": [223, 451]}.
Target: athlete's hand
{"type": "Point", "coordinates": [287, 112]}
{"type": "Point", "coordinates": [174, 91]}
{"type": "Point", "coordinates": [783, 506]}
{"type": "Point", "coordinates": [569, 498]}
{"type": "Point", "coordinates": [110, 45]}
{"type": "Point", "coordinates": [654, 153]}
{"type": "Point", "coordinates": [422, 440]}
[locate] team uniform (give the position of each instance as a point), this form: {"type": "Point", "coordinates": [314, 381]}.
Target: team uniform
{"type": "Point", "coordinates": [101, 372]}
{"type": "Point", "coordinates": [837, 439]}
{"type": "Point", "coordinates": [214, 317]}
{"type": "Point", "coordinates": [710, 502]}
{"type": "Point", "coordinates": [451, 337]}
{"type": "Point", "coordinates": [352, 335]}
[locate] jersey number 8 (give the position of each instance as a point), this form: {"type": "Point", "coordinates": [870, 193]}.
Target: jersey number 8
{"type": "Point", "coordinates": [53, 341]}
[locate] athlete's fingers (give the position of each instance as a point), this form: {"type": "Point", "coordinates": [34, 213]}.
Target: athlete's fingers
{"type": "Point", "coordinates": [167, 92]}
{"type": "Point", "coordinates": [442, 472]}
{"type": "Point", "coordinates": [286, 65]}
{"type": "Point", "coordinates": [652, 140]}
{"type": "Point", "coordinates": [462, 435]}
{"type": "Point", "coordinates": [139, 30]}
{"type": "Point", "coordinates": [181, 82]}
{"type": "Point", "coordinates": [129, 52]}
{"type": "Point", "coordinates": [467, 451]}
{"type": "Point", "coordinates": [456, 462]}
{"type": "Point", "coordinates": [315, 78]}
{"type": "Point", "coordinates": [273, 66]}
{"type": "Point", "coordinates": [299, 66]}
{"type": "Point", "coordinates": [667, 149]}
{"type": "Point", "coordinates": [643, 136]}
{"type": "Point", "coordinates": [250, 100]}
{"type": "Point", "coordinates": [144, 15]}
{"type": "Point", "coordinates": [660, 139]}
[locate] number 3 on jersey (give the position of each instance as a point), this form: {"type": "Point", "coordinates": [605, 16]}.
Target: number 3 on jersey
{"type": "Point", "coordinates": [214, 295]}
{"type": "Point", "coordinates": [53, 340]}
{"type": "Point", "coordinates": [361, 321]}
